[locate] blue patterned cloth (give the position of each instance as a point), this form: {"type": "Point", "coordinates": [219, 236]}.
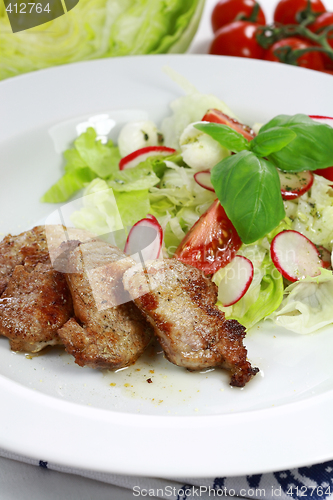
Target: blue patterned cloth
{"type": "Point", "coordinates": [313, 482]}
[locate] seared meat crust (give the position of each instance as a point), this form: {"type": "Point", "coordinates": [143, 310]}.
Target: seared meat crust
{"type": "Point", "coordinates": [29, 247]}
{"type": "Point", "coordinates": [108, 331]}
{"type": "Point", "coordinates": [32, 308]}
{"type": "Point", "coordinates": [179, 302]}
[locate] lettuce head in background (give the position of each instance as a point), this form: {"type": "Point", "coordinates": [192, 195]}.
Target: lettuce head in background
{"type": "Point", "coordinates": [99, 28]}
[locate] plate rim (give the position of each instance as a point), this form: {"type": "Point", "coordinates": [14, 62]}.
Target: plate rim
{"type": "Point", "coordinates": [151, 467]}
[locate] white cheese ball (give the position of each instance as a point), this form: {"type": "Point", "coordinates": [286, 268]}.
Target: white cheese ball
{"type": "Point", "coordinates": [199, 150]}
{"type": "Point", "coordinates": [137, 135]}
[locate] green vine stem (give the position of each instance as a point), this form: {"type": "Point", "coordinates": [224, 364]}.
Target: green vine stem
{"type": "Point", "coordinates": [267, 35]}
{"type": "Point", "coordinates": [253, 17]}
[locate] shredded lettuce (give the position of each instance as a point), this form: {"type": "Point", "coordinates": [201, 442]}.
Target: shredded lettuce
{"type": "Point", "coordinates": [186, 110]}
{"type": "Point", "coordinates": [134, 179]}
{"type": "Point", "coordinates": [177, 203]}
{"type": "Point", "coordinates": [312, 213]}
{"type": "Point", "coordinates": [307, 305]}
{"type": "Point", "coordinates": [100, 28]}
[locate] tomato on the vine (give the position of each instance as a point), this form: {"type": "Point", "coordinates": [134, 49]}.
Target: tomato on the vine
{"type": "Point", "coordinates": [323, 21]}
{"type": "Point", "coordinates": [237, 39]}
{"type": "Point", "coordinates": [228, 11]}
{"type": "Point", "coordinates": [211, 243]}
{"type": "Point", "coordinates": [311, 60]}
{"type": "Point", "coordinates": [286, 11]}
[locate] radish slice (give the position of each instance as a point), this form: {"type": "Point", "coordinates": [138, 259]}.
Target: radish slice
{"type": "Point", "coordinates": [325, 256]}
{"type": "Point", "coordinates": [294, 185]}
{"type": "Point", "coordinates": [145, 240]}
{"type": "Point", "coordinates": [237, 276]}
{"type": "Point", "coordinates": [295, 256]}
{"type": "Point", "coordinates": [203, 179]}
{"type": "Point", "coordinates": [322, 119]}
{"type": "Point", "coordinates": [140, 155]}
{"type": "Point", "coordinates": [152, 217]}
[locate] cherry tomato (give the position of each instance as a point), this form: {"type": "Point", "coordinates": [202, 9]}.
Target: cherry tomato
{"type": "Point", "coordinates": [321, 22]}
{"type": "Point", "coordinates": [287, 10]}
{"type": "Point", "coordinates": [228, 11]}
{"type": "Point", "coordinates": [211, 243]}
{"type": "Point", "coordinates": [311, 60]}
{"type": "Point", "coordinates": [216, 116]}
{"type": "Point", "coordinates": [325, 172]}
{"type": "Point", "coordinates": [237, 39]}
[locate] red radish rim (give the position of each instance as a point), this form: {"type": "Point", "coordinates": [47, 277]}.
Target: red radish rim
{"type": "Point", "coordinates": [152, 217]}
{"type": "Point", "coordinates": [151, 221]}
{"type": "Point", "coordinates": [292, 195]}
{"type": "Point", "coordinates": [275, 261]}
{"type": "Point", "coordinates": [200, 184]}
{"type": "Point", "coordinates": [319, 117]}
{"type": "Point", "coordinates": [247, 284]}
{"type": "Point", "coordinates": [142, 151]}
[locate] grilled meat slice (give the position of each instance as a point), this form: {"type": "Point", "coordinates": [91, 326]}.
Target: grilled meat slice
{"type": "Point", "coordinates": [33, 306]}
{"type": "Point", "coordinates": [179, 301]}
{"type": "Point", "coordinates": [30, 247]}
{"type": "Point", "coordinates": [108, 331]}
{"type": "Point", "coordinates": [41, 244]}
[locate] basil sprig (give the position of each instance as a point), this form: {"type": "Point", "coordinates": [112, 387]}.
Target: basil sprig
{"type": "Point", "coordinates": [248, 188]}
{"type": "Point", "coordinates": [311, 149]}
{"type": "Point", "coordinates": [247, 183]}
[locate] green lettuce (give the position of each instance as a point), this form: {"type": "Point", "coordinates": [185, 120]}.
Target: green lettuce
{"type": "Point", "coordinates": [265, 292]}
{"type": "Point", "coordinates": [312, 213]}
{"type": "Point", "coordinates": [134, 179]}
{"type": "Point", "coordinates": [307, 305]}
{"type": "Point", "coordinates": [100, 28]}
{"type": "Point", "coordinates": [88, 159]}
{"type": "Point", "coordinates": [106, 211]}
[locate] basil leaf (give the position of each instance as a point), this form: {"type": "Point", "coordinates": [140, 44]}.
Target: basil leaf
{"type": "Point", "coordinates": [286, 120]}
{"type": "Point", "coordinates": [271, 141]}
{"type": "Point", "coordinates": [248, 188]}
{"type": "Point", "coordinates": [310, 150]}
{"type": "Point", "coordinates": [224, 135]}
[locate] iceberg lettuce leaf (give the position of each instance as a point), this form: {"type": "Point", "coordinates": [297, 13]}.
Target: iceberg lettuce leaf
{"type": "Point", "coordinates": [134, 179]}
{"type": "Point", "coordinates": [307, 305]}
{"type": "Point", "coordinates": [68, 185]}
{"type": "Point", "coordinates": [100, 28]}
{"type": "Point", "coordinates": [88, 159]}
{"type": "Point", "coordinates": [102, 159]}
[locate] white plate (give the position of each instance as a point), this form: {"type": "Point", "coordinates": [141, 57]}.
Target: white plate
{"type": "Point", "coordinates": [183, 424]}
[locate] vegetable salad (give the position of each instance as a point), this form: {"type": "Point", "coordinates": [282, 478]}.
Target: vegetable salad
{"type": "Point", "coordinates": [251, 213]}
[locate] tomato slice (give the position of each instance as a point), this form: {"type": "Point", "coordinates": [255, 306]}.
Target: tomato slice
{"type": "Point", "coordinates": [325, 172]}
{"type": "Point", "coordinates": [216, 116]}
{"type": "Point", "coordinates": [211, 243]}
